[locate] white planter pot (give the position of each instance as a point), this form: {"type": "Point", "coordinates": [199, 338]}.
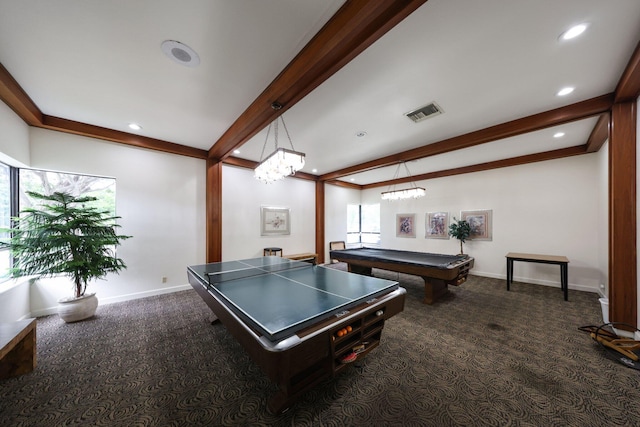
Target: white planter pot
{"type": "Point", "coordinates": [76, 309]}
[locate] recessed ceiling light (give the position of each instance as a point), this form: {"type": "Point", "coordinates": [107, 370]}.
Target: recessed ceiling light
{"type": "Point", "coordinates": [180, 53]}
{"type": "Point", "coordinates": [573, 32]}
{"type": "Point", "coordinates": [314, 170]}
{"type": "Point", "coordinates": [352, 179]}
{"type": "Point", "coordinates": [134, 126]}
{"type": "Point", "coordinates": [236, 151]}
{"type": "Point", "coordinates": [565, 91]}
{"type": "Point", "coordinates": [558, 134]}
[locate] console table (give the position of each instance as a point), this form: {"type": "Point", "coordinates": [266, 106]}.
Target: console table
{"type": "Point", "coordinates": [562, 261]}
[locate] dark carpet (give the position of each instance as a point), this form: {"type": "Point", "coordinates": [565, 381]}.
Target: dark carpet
{"type": "Point", "coordinates": [482, 356]}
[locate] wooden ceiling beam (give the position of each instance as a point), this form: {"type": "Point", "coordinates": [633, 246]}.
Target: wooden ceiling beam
{"type": "Point", "coordinates": [628, 88]}
{"type": "Point", "coordinates": [558, 116]}
{"type": "Point", "coordinates": [357, 25]}
{"type": "Point", "coordinates": [345, 184]}
{"type": "Point", "coordinates": [599, 134]}
{"type": "Point", "coordinates": [513, 161]}
{"type": "Point", "coordinates": [17, 99]}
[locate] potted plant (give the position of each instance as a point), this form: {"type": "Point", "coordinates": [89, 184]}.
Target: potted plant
{"type": "Point", "coordinates": [65, 236]}
{"type": "Point", "coordinates": [460, 230]}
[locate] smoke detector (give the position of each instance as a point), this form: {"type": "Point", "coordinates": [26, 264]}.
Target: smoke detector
{"type": "Point", "coordinates": [180, 53]}
{"type": "Point", "coordinates": [424, 112]}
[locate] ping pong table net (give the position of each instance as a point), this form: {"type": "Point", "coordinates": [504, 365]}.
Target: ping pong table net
{"type": "Point", "coordinates": [250, 271]}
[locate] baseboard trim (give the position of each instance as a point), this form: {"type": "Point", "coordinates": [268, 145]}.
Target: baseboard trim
{"type": "Point", "coordinates": [120, 298]}
{"type": "Point", "coordinates": [138, 295]}
{"type": "Point", "coordinates": [572, 286]}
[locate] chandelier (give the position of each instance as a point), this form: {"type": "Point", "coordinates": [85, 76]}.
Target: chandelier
{"type": "Point", "coordinates": [282, 162]}
{"type": "Point", "coordinates": [412, 192]}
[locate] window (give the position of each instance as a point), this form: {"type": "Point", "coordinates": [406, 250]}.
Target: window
{"type": "Point", "coordinates": [363, 224]}
{"type": "Point", "coordinates": [5, 216]}
{"type": "Point", "coordinates": [14, 184]}
{"type": "Point", "coordinates": [48, 182]}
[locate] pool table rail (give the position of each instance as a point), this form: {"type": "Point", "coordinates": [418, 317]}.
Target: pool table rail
{"type": "Point", "coordinates": [436, 278]}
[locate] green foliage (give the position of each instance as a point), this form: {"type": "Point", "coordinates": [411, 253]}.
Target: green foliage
{"type": "Point", "coordinates": [461, 230]}
{"type": "Point", "coordinates": [65, 236]}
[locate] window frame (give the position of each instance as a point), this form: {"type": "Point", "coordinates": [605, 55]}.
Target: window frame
{"type": "Point", "coordinates": [14, 205]}
{"type": "Point", "coordinates": [359, 234]}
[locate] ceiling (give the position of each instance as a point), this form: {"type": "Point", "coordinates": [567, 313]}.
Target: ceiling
{"type": "Point", "coordinates": [486, 64]}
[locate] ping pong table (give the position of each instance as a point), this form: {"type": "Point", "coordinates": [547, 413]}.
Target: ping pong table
{"type": "Point", "coordinates": [301, 323]}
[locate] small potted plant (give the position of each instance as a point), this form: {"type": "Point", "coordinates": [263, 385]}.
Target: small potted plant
{"type": "Point", "coordinates": [64, 236]}
{"type": "Point", "coordinates": [460, 230]}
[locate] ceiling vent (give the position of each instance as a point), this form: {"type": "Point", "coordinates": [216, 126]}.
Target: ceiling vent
{"type": "Point", "coordinates": [425, 112]}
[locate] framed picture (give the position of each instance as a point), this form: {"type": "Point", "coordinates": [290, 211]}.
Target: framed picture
{"type": "Point", "coordinates": [437, 225]}
{"type": "Point", "coordinates": [405, 225]}
{"type": "Point", "coordinates": [274, 221]}
{"type": "Point", "coordinates": [480, 222]}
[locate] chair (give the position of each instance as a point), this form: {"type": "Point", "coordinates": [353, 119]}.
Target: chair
{"type": "Point", "coordinates": [336, 245]}
{"type": "Point", "coordinates": [271, 252]}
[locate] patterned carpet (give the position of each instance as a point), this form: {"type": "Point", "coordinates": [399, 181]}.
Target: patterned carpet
{"type": "Point", "coordinates": [482, 356]}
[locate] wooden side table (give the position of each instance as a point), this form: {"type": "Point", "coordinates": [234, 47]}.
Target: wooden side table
{"type": "Point", "coordinates": [17, 348]}
{"type": "Point", "coordinates": [562, 261]}
{"type": "Point", "coordinates": [306, 257]}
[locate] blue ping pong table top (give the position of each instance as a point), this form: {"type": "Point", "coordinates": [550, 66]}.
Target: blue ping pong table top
{"type": "Point", "coordinates": [281, 302]}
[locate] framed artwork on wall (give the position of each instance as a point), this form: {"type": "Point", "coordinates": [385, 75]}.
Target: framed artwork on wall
{"type": "Point", "coordinates": [405, 225]}
{"type": "Point", "coordinates": [480, 222]}
{"type": "Point", "coordinates": [274, 221]}
{"type": "Point", "coordinates": [437, 225]}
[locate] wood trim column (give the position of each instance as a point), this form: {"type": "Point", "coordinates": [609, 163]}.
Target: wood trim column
{"type": "Point", "coordinates": [320, 221]}
{"type": "Point", "coordinates": [214, 211]}
{"type": "Point", "coordinates": [623, 273]}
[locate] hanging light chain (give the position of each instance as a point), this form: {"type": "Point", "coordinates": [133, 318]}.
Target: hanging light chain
{"type": "Point", "coordinates": [412, 192]}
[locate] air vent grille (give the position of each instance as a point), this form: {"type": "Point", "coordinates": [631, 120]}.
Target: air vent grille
{"type": "Point", "coordinates": [425, 112]}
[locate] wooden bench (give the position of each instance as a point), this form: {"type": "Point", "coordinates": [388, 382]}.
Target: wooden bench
{"type": "Point", "coordinates": [17, 348]}
{"type": "Point", "coordinates": [306, 257]}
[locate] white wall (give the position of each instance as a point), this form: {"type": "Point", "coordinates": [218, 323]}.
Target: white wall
{"type": "Point", "coordinates": [242, 198]}
{"type": "Point", "coordinates": [14, 138]}
{"type": "Point", "coordinates": [335, 213]}
{"type": "Point", "coordinates": [547, 208]}
{"type": "Point", "coordinates": [14, 150]}
{"type": "Point", "coordinates": [603, 217]}
{"type": "Point", "coordinates": [557, 207]}
{"type": "Point", "coordinates": [160, 198]}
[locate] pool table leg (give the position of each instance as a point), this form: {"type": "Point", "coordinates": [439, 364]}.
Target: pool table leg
{"type": "Point", "coordinates": [358, 269]}
{"type": "Point", "coordinates": [434, 289]}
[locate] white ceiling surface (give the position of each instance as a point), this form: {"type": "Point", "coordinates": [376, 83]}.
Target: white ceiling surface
{"type": "Point", "coordinates": [484, 63]}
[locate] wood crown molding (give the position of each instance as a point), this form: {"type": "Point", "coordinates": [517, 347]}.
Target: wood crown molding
{"type": "Point", "coordinates": [83, 129]}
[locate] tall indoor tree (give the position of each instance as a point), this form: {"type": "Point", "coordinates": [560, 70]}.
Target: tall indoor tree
{"type": "Point", "coordinates": [65, 236]}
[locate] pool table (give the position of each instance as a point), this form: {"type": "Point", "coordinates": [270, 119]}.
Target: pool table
{"type": "Point", "coordinates": [301, 323]}
{"type": "Point", "coordinates": [437, 270]}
